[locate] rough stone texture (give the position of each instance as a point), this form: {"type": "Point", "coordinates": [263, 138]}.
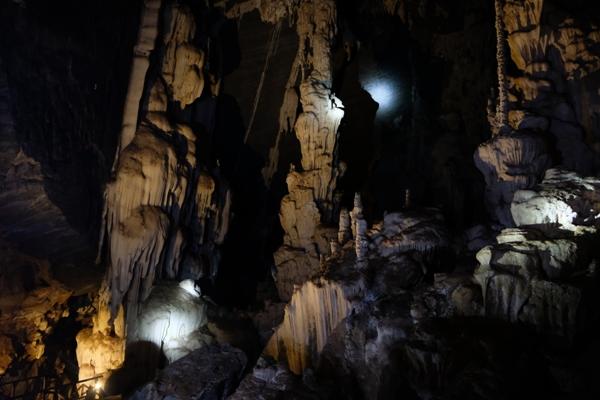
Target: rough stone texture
{"type": "Point", "coordinates": [509, 163]}
{"type": "Point", "coordinates": [528, 281]}
{"type": "Point", "coordinates": [7, 353]}
{"type": "Point", "coordinates": [101, 348]}
{"type": "Point", "coordinates": [310, 198]}
{"type": "Point", "coordinates": [562, 198]}
{"type": "Point", "coordinates": [271, 381]}
{"type": "Point", "coordinates": [556, 55]}
{"type": "Point", "coordinates": [210, 373]}
{"type": "Point", "coordinates": [398, 253]}
{"type": "Point", "coordinates": [24, 201]}
{"type": "Point", "coordinates": [183, 62]}
{"type": "Point", "coordinates": [530, 276]}
{"type": "Point", "coordinates": [164, 210]}
{"type": "Point", "coordinates": [32, 302]}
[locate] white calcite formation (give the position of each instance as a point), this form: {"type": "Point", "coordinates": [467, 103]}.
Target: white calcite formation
{"type": "Point", "coordinates": [508, 163]}
{"type": "Point", "coordinates": [563, 198]}
{"type": "Point", "coordinates": [165, 213]}
{"type": "Point", "coordinates": [538, 274]}
{"type": "Point", "coordinates": [313, 313]}
{"type": "Point", "coordinates": [310, 199]}
{"type": "Point", "coordinates": [182, 62]}
{"type": "Point", "coordinates": [171, 318]}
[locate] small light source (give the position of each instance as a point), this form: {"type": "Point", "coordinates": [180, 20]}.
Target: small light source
{"type": "Point", "coordinates": [98, 386]}
{"type": "Point", "coordinates": [384, 91]}
{"type": "Point", "coordinates": [190, 287]}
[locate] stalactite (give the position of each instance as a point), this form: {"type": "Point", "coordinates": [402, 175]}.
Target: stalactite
{"type": "Point", "coordinates": [163, 205]}
{"type": "Point", "coordinates": [502, 104]}
{"type": "Point", "coordinates": [314, 312]}
{"type": "Point", "coordinates": [148, 32]}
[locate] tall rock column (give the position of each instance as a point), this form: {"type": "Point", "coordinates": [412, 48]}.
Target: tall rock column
{"type": "Point", "coordinates": [511, 160]}
{"type": "Point", "coordinates": [165, 211]}
{"type": "Point", "coordinates": [310, 201]}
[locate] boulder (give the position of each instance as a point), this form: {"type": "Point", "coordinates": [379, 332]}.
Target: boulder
{"type": "Point", "coordinates": [209, 373]}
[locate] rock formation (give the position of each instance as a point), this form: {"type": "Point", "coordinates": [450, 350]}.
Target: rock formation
{"type": "Point", "coordinates": [208, 373]}
{"type": "Point", "coordinates": [164, 208]}
{"type": "Point", "coordinates": [310, 199]}
{"type": "Point", "coordinates": [400, 248]}
{"type": "Point", "coordinates": [554, 87]}
{"type": "Point", "coordinates": [271, 381]}
{"type": "Point", "coordinates": [510, 162]}
{"type": "Point", "coordinates": [33, 302]}
{"type": "Point", "coordinates": [539, 273]}
{"type": "Point", "coordinates": [171, 319]}
{"type": "Point", "coordinates": [101, 348]}
{"type": "Point", "coordinates": [310, 317]}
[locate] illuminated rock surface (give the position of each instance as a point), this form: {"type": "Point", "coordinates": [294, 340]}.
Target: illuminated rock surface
{"type": "Point", "coordinates": [310, 198]}
{"type": "Point", "coordinates": [171, 319]}
{"type": "Point", "coordinates": [310, 317]}
{"type": "Point", "coordinates": [509, 163]}
{"type": "Point", "coordinates": [293, 209]}
{"type": "Point", "coordinates": [562, 198]}
{"type": "Point", "coordinates": [32, 303]}
{"type": "Point", "coordinates": [540, 274]}
{"type": "Point", "coordinates": [161, 189]}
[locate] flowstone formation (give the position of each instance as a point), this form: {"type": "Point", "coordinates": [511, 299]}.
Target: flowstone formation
{"type": "Point", "coordinates": [164, 208]}
{"type": "Point", "coordinates": [311, 192]}
{"type": "Point", "coordinates": [166, 211]}
{"type": "Point", "coordinates": [383, 261]}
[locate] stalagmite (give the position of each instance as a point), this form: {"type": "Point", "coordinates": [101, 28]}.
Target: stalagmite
{"type": "Point", "coordinates": [345, 230]}
{"type": "Point", "coordinates": [356, 213]}
{"type": "Point", "coordinates": [101, 348]}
